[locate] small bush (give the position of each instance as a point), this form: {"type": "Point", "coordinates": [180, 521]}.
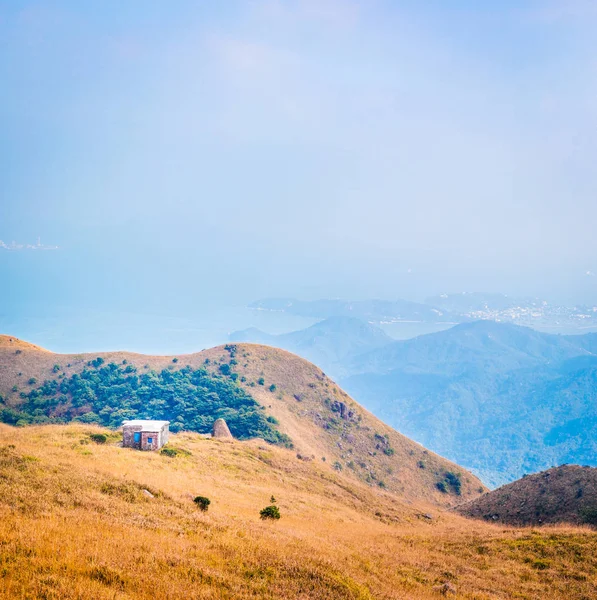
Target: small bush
{"type": "Point", "coordinates": [202, 502]}
{"type": "Point", "coordinates": [442, 487]}
{"type": "Point", "coordinates": [32, 381]}
{"type": "Point", "coordinates": [261, 381]}
{"type": "Point", "coordinates": [272, 387]}
{"type": "Point", "coordinates": [453, 479]}
{"type": "Point", "coordinates": [98, 438]}
{"type": "Point", "coordinates": [175, 360]}
{"type": "Point", "coordinates": [270, 512]}
{"type": "Point", "coordinates": [337, 466]}
{"type": "Point", "coordinates": [174, 452]}
{"type": "Point", "coordinates": [588, 514]}
{"type": "Point", "coordinates": [389, 451]}
{"type": "Point", "coordinates": [55, 368]}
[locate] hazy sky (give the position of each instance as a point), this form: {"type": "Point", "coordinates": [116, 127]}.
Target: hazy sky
{"type": "Point", "coordinates": [187, 152]}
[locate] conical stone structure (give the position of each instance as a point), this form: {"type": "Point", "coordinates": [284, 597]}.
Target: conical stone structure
{"type": "Point", "coordinates": [220, 430]}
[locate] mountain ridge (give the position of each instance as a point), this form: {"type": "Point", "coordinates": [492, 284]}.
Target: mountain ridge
{"type": "Point", "coordinates": [323, 422]}
{"type": "Point", "coordinates": [499, 398]}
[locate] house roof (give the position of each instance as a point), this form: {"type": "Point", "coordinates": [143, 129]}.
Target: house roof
{"type": "Point", "coordinates": [152, 426]}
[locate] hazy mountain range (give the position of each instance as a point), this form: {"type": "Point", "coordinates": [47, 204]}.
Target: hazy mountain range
{"type": "Point", "coordinates": [445, 309]}
{"type": "Point", "coordinates": [500, 399]}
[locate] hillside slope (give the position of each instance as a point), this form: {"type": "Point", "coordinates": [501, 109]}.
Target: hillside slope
{"type": "Point", "coordinates": [322, 422]}
{"type": "Point", "coordinates": [565, 494]}
{"type": "Point", "coordinates": [87, 521]}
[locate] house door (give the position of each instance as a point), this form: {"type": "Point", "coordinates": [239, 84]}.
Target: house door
{"type": "Point", "coordinates": [137, 437]}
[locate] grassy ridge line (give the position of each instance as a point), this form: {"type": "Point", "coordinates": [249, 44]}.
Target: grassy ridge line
{"type": "Point", "coordinates": [299, 396]}
{"type": "Point", "coordinates": [74, 523]}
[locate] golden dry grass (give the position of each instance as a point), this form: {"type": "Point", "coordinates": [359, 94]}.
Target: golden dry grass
{"type": "Point", "coordinates": [75, 523]}
{"type": "Point", "coordinates": [351, 444]}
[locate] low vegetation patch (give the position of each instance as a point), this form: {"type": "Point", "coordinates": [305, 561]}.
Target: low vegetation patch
{"type": "Point", "coordinates": [173, 451]}
{"type": "Point", "coordinates": [271, 512]}
{"type": "Point", "coordinates": [202, 503]}
{"type": "Point", "coordinates": [108, 394]}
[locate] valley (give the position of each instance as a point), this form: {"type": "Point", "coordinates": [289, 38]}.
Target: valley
{"type": "Point", "coordinates": [500, 399]}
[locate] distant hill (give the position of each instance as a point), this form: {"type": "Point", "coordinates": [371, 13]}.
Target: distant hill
{"type": "Point", "coordinates": [478, 346]}
{"type": "Point", "coordinates": [260, 391]}
{"type": "Point", "coordinates": [329, 343]}
{"type": "Point", "coordinates": [565, 494]}
{"type": "Point", "coordinates": [501, 399]}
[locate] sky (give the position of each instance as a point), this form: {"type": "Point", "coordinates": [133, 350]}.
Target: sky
{"type": "Point", "coordinates": [187, 154]}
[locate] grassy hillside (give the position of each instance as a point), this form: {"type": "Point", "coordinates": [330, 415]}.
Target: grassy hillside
{"type": "Point", "coordinates": [299, 406]}
{"type": "Point", "coordinates": [566, 494]}
{"type": "Point", "coordinates": [96, 521]}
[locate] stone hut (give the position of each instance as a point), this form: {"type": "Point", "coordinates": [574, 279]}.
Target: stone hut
{"type": "Point", "coordinates": [220, 430]}
{"type": "Point", "coordinates": [145, 435]}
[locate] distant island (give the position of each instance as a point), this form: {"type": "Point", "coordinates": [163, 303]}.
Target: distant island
{"type": "Point", "coordinates": [445, 309]}
{"type": "Point", "coordinates": [15, 246]}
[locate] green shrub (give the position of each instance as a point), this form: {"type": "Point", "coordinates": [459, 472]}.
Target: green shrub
{"type": "Point", "coordinates": [202, 502]}
{"type": "Point", "coordinates": [442, 487]}
{"type": "Point", "coordinates": [338, 466]}
{"type": "Point", "coordinates": [389, 451]}
{"type": "Point", "coordinates": [453, 480]}
{"type": "Point", "coordinates": [175, 360]}
{"type": "Point", "coordinates": [588, 514]}
{"type": "Point", "coordinates": [261, 381]}
{"type": "Point", "coordinates": [173, 452]}
{"type": "Point", "coordinates": [272, 387]}
{"type": "Point", "coordinates": [98, 438]}
{"type": "Point", "coordinates": [32, 381]}
{"type": "Point", "coordinates": [270, 512]}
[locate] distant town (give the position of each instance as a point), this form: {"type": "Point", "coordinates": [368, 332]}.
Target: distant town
{"type": "Point", "coordinates": [15, 246]}
{"type": "Point", "coordinates": [446, 309]}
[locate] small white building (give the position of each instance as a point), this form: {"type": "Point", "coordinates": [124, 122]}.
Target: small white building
{"type": "Point", "coordinates": [145, 435]}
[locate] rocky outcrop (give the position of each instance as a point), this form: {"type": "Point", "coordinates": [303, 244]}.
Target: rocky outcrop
{"type": "Point", "coordinates": [220, 430]}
